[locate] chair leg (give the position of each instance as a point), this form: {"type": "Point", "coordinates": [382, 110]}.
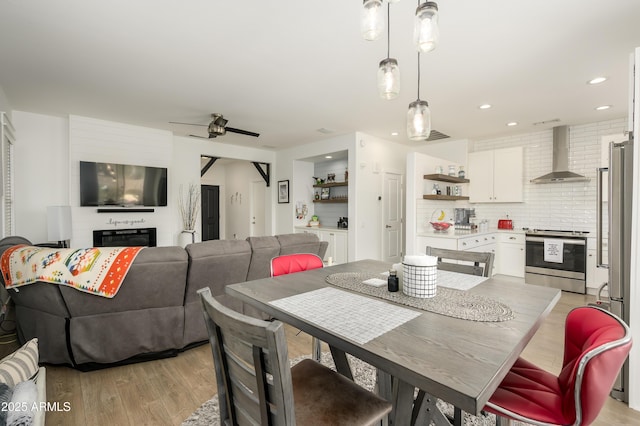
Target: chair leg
{"type": "Point", "coordinates": [316, 350]}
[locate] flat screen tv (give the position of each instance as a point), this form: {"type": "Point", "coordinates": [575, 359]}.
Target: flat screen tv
{"type": "Point", "coordinates": [110, 184]}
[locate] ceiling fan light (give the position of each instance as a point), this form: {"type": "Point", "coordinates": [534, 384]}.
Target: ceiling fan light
{"type": "Point", "coordinates": [426, 31]}
{"type": "Point", "coordinates": [372, 24]}
{"type": "Point", "coordinates": [388, 79]}
{"type": "Point", "coordinates": [418, 121]}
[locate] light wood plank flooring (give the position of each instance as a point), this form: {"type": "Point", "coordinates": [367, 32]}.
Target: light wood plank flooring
{"type": "Point", "coordinates": [167, 391]}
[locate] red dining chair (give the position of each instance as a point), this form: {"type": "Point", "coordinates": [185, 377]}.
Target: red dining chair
{"type": "Point", "coordinates": [596, 345]}
{"type": "Point", "coordinates": [299, 262]}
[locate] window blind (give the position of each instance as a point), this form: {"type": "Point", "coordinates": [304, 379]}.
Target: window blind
{"type": "Point", "coordinates": [7, 137]}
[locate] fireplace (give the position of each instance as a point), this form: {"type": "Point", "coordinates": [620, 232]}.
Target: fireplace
{"type": "Point", "coordinates": [124, 237]}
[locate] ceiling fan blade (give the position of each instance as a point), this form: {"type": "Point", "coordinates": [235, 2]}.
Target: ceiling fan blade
{"type": "Point", "coordinates": [188, 124]}
{"type": "Point", "coordinates": [201, 137]}
{"type": "Point", "coordinates": [242, 132]}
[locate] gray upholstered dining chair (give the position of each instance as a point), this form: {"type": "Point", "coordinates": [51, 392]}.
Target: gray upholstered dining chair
{"type": "Point", "coordinates": [257, 386]}
{"type": "Point", "coordinates": [477, 263]}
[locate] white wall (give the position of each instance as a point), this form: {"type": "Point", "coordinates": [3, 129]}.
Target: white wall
{"type": "Point", "coordinates": [47, 158]}
{"type": "Point", "coordinates": [109, 142]}
{"type": "Point", "coordinates": [373, 157]}
{"type": "Point", "coordinates": [239, 176]}
{"type": "Point", "coordinates": [558, 205]}
{"type": "Point", "coordinates": [41, 172]}
{"type": "Point", "coordinates": [5, 105]}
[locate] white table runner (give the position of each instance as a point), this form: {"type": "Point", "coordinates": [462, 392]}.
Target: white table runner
{"type": "Point", "coordinates": [354, 317]}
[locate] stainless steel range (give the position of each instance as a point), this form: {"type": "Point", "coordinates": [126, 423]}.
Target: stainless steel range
{"type": "Point", "coordinates": [557, 259]}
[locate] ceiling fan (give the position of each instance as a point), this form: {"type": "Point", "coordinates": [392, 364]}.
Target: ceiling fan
{"type": "Point", "coordinates": [218, 127]}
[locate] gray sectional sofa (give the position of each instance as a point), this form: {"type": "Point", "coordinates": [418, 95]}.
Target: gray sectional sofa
{"type": "Point", "coordinates": [156, 312]}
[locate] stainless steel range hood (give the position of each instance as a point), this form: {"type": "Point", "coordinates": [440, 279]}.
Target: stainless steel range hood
{"type": "Point", "coordinates": [560, 171]}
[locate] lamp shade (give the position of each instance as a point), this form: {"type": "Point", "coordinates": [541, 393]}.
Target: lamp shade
{"type": "Point", "coordinates": [58, 223]}
{"type": "Point", "coordinates": [372, 24]}
{"type": "Point", "coordinates": [426, 31]}
{"type": "Point", "coordinates": [388, 79]}
{"type": "Point", "coordinates": [418, 121]}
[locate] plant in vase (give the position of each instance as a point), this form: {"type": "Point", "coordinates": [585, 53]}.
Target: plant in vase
{"type": "Point", "coordinates": [189, 203]}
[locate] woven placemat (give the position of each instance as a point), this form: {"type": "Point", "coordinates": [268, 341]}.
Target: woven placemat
{"type": "Point", "coordinates": [447, 301]}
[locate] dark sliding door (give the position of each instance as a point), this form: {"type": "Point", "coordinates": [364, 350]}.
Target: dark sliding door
{"type": "Point", "coordinates": [210, 196]}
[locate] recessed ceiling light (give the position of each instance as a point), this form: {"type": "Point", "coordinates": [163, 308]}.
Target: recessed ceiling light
{"type": "Point", "coordinates": [485, 106]}
{"type": "Point", "coordinates": [512, 123]}
{"type": "Point", "coordinates": [597, 80]}
{"type": "Point", "coordinates": [394, 133]}
{"type": "Point", "coordinates": [328, 156]}
{"type": "Point", "coordinates": [603, 107]}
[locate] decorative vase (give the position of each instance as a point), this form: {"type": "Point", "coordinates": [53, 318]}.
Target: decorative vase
{"type": "Point", "coordinates": [187, 236]}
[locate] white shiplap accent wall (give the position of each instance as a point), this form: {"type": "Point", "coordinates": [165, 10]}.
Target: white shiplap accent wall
{"type": "Point", "coordinates": [109, 142]}
{"type": "Point", "coordinates": [570, 206]}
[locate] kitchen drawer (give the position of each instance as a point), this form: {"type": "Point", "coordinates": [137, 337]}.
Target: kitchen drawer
{"type": "Point", "coordinates": [470, 243]}
{"type": "Point", "coordinates": [506, 237]}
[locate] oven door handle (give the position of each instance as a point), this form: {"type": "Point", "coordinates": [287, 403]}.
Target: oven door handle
{"type": "Point", "coordinates": [564, 241]}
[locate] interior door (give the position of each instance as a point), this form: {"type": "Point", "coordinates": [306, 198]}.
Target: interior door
{"type": "Point", "coordinates": [257, 208]}
{"type": "Point", "coordinates": [210, 208]}
{"type": "Point", "coordinates": [392, 217]}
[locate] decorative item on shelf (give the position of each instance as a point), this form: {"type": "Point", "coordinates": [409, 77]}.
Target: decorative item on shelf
{"type": "Point", "coordinates": [346, 175]}
{"type": "Point", "coordinates": [316, 195]}
{"type": "Point", "coordinates": [331, 177]}
{"type": "Point", "coordinates": [435, 189]}
{"type": "Point", "coordinates": [461, 172]}
{"type": "Point", "coordinates": [439, 170]}
{"type": "Point", "coordinates": [319, 181]}
{"type": "Point", "coordinates": [314, 222]}
{"type": "Point", "coordinates": [301, 210]}
{"type": "Point", "coordinates": [324, 195]}
{"type": "Point", "coordinates": [452, 170]}
{"type": "Point", "coordinates": [189, 204]}
{"type": "Point", "coordinates": [457, 190]}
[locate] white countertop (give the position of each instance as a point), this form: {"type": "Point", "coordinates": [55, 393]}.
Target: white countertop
{"type": "Point", "coordinates": [461, 233]}
{"type": "Point", "coordinates": [321, 228]}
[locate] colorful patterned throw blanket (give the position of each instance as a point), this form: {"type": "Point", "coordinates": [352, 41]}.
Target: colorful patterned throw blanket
{"type": "Point", "coordinates": [96, 270]}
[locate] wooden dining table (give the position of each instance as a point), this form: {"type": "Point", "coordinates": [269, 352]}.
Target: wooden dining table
{"type": "Point", "coordinates": [460, 361]}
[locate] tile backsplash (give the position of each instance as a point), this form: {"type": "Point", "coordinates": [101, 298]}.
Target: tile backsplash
{"type": "Point", "coordinates": [569, 206]}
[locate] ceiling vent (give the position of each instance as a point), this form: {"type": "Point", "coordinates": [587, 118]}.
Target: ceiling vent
{"type": "Point", "coordinates": [436, 135]}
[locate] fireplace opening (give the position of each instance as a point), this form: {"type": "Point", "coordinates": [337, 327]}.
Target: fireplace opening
{"type": "Point", "coordinates": [125, 237]}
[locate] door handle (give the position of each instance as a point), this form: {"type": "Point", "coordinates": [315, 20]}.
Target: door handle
{"type": "Point", "coordinates": [388, 226]}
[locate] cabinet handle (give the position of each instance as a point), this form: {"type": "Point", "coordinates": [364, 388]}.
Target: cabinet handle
{"type": "Point", "coordinates": [464, 244]}
{"type": "Point", "coordinates": [512, 238]}
{"type": "Point", "coordinates": [331, 233]}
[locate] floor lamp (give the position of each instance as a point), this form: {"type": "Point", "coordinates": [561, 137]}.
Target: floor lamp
{"type": "Point", "coordinates": [59, 225]}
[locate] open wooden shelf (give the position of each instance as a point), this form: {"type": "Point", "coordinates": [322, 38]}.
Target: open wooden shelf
{"type": "Point", "coordinates": [444, 197]}
{"type": "Point", "coordinates": [446, 178]}
{"type": "Point", "coordinates": [332, 200]}
{"type": "Point", "coordinates": [330, 185]}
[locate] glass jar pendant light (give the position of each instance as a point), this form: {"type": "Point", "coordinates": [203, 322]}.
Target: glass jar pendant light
{"type": "Point", "coordinates": [418, 116]}
{"type": "Point", "coordinates": [372, 24]}
{"type": "Point", "coordinates": [426, 31]}
{"type": "Point", "coordinates": [388, 71]}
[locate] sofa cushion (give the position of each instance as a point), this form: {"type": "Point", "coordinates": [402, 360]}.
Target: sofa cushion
{"type": "Point", "coordinates": [301, 243]}
{"type": "Point", "coordinates": [263, 249]}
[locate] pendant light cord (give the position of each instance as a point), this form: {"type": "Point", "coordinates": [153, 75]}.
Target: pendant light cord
{"type": "Point", "coordinates": [418, 75]}
{"type": "Point", "coordinates": [388, 28]}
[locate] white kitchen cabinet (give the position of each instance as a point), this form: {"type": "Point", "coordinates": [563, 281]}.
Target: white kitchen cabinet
{"type": "Point", "coordinates": [511, 260]}
{"type": "Point", "coordinates": [338, 242]}
{"type": "Point", "coordinates": [338, 245]}
{"type": "Point", "coordinates": [496, 176]}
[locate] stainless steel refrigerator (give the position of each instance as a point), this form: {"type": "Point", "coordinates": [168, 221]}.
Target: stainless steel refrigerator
{"type": "Point", "coordinates": [614, 195]}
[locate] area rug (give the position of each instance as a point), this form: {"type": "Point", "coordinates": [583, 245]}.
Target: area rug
{"type": "Point", "coordinates": [363, 373]}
